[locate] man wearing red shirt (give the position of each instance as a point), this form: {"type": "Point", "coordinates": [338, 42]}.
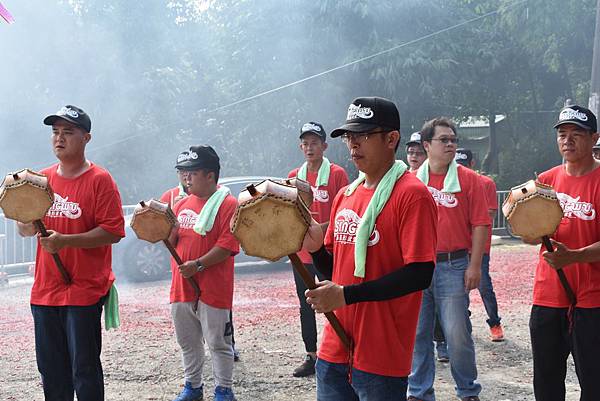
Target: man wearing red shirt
{"type": "Point", "coordinates": [555, 333]}
{"type": "Point", "coordinates": [325, 180]}
{"type": "Point", "coordinates": [85, 219]}
{"type": "Point", "coordinates": [174, 195]}
{"type": "Point", "coordinates": [204, 241]}
{"type": "Point", "coordinates": [463, 224]}
{"type": "Point", "coordinates": [486, 288]}
{"type": "Point", "coordinates": [379, 250]}
{"type": "Point", "coordinates": [415, 153]}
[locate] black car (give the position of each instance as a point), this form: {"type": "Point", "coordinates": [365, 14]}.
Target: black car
{"type": "Point", "coordinates": [137, 260]}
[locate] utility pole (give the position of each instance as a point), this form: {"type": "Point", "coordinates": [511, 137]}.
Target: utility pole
{"type": "Point", "coordinates": [594, 101]}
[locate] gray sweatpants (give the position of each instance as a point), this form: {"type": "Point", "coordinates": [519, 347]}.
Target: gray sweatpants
{"type": "Point", "coordinates": [191, 329]}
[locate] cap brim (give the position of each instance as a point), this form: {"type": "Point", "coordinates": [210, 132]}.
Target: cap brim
{"type": "Point", "coordinates": [320, 135]}
{"type": "Point", "coordinates": [50, 120]}
{"type": "Point", "coordinates": [353, 127]}
{"type": "Point", "coordinates": [577, 123]}
{"type": "Point", "coordinates": [413, 143]}
{"type": "Point", "coordinates": [464, 163]}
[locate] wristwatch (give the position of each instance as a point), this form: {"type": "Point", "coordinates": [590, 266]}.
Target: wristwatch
{"type": "Point", "coordinates": [198, 265]}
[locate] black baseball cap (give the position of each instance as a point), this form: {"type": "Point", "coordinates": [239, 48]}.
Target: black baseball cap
{"type": "Point", "coordinates": [463, 156]}
{"type": "Point", "coordinates": [198, 157]}
{"type": "Point", "coordinates": [72, 114]}
{"type": "Point", "coordinates": [314, 128]}
{"type": "Point", "coordinates": [368, 113]}
{"type": "Point", "coordinates": [415, 139]}
{"type": "Point", "coordinates": [579, 116]}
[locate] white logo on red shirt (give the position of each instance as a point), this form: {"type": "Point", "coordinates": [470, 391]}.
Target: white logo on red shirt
{"type": "Point", "coordinates": [572, 207]}
{"type": "Point", "coordinates": [320, 195]}
{"type": "Point", "coordinates": [346, 225]}
{"type": "Point", "coordinates": [62, 207]}
{"type": "Point", "coordinates": [187, 219]}
{"type": "Point", "coordinates": [442, 198]}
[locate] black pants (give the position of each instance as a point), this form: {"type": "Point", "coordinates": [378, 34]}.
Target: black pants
{"type": "Point", "coordinates": [552, 343]}
{"type": "Point", "coordinates": [308, 324]}
{"type": "Point", "coordinates": [68, 341]}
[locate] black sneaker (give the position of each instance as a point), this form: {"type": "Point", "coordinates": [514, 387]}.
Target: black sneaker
{"type": "Point", "coordinates": [470, 398]}
{"type": "Point", "coordinates": [307, 368]}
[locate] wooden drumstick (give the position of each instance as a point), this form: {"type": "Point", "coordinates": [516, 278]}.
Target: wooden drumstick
{"type": "Point", "coordinates": [39, 224]}
{"type": "Point", "coordinates": [309, 281]}
{"type": "Point", "coordinates": [179, 261]}
{"type": "Point", "coordinates": [561, 273]}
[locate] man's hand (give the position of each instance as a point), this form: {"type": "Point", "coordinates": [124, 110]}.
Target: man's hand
{"type": "Point", "coordinates": [188, 269]}
{"type": "Point", "coordinates": [326, 297]}
{"type": "Point", "coordinates": [26, 230]}
{"type": "Point", "coordinates": [313, 240]}
{"type": "Point", "coordinates": [472, 277]}
{"type": "Point", "coordinates": [561, 257]}
{"type": "Point", "coordinates": [54, 242]}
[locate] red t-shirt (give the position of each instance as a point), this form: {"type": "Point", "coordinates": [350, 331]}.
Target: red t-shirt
{"type": "Point", "coordinates": [580, 199]}
{"type": "Point", "coordinates": [170, 196]}
{"type": "Point", "coordinates": [216, 282]}
{"type": "Point", "coordinates": [489, 188]}
{"type": "Point", "coordinates": [405, 232]}
{"type": "Point", "coordinates": [80, 204]}
{"type": "Point", "coordinates": [458, 213]}
{"type": "Point", "coordinates": [322, 197]}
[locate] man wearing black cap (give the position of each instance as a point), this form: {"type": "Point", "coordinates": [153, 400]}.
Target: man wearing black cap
{"type": "Point", "coordinates": [379, 250]}
{"type": "Point", "coordinates": [556, 330]}
{"type": "Point", "coordinates": [325, 179]}
{"type": "Point", "coordinates": [204, 241]}
{"type": "Point", "coordinates": [174, 195]}
{"type": "Point", "coordinates": [415, 152]}
{"type": "Point", "coordinates": [84, 221]}
{"type": "Point", "coordinates": [465, 158]}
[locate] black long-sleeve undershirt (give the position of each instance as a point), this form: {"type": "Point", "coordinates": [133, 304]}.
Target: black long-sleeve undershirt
{"type": "Point", "coordinates": [402, 281]}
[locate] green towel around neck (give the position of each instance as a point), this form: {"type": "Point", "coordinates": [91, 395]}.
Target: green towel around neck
{"type": "Point", "coordinates": [322, 176]}
{"type": "Point", "coordinates": [207, 216]}
{"type": "Point", "coordinates": [111, 310]}
{"type": "Point", "coordinates": [376, 204]}
{"type": "Point", "coordinates": [451, 183]}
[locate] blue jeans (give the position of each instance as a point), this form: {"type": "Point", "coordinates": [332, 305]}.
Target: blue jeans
{"type": "Point", "coordinates": [333, 385]}
{"type": "Point", "coordinates": [446, 294]}
{"type": "Point", "coordinates": [68, 341]}
{"type": "Point", "coordinates": [486, 290]}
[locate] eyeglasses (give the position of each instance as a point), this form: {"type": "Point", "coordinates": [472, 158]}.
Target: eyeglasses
{"type": "Point", "coordinates": [415, 153]}
{"type": "Point", "coordinates": [358, 137]}
{"type": "Point", "coordinates": [446, 140]}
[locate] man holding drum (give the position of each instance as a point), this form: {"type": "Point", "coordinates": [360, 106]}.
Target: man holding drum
{"type": "Point", "coordinates": [555, 333]}
{"type": "Point", "coordinates": [462, 230]}
{"type": "Point", "coordinates": [325, 179]}
{"type": "Point", "coordinates": [203, 239]}
{"type": "Point", "coordinates": [379, 250]}
{"type": "Point", "coordinates": [84, 221]}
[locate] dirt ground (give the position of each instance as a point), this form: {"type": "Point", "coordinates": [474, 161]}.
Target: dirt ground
{"type": "Point", "coordinates": [141, 359]}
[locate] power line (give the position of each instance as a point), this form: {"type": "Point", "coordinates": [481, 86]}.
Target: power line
{"type": "Point", "coordinates": [320, 74]}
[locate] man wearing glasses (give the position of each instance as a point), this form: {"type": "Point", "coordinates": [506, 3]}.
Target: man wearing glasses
{"type": "Point", "coordinates": [325, 180]}
{"type": "Point", "coordinates": [415, 152]}
{"type": "Point", "coordinates": [463, 223]}
{"type": "Point", "coordinates": [379, 250]}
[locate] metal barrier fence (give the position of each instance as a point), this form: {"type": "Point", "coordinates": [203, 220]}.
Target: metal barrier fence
{"type": "Point", "coordinates": [17, 254]}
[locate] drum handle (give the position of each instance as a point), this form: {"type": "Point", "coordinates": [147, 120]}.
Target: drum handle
{"type": "Point", "coordinates": [190, 280]}
{"type": "Point", "coordinates": [309, 281]}
{"type": "Point", "coordinates": [561, 273]}
{"type": "Point", "coordinates": [63, 272]}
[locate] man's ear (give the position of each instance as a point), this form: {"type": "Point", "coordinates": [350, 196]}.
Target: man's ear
{"type": "Point", "coordinates": [87, 137]}
{"type": "Point", "coordinates": [393, 138]}
{"type": "Point", "coordinates": [325, 145]}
